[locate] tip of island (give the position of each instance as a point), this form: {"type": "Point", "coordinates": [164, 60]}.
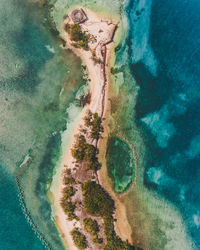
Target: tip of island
{"type": "Point", "coordinates": [85, 211]}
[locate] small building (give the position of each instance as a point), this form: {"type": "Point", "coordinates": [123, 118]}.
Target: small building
{"type": "Point", "coordinates": [78, 16]}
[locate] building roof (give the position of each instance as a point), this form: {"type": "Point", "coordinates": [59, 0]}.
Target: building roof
{"type": "Point", "coordinates": [78, 16]}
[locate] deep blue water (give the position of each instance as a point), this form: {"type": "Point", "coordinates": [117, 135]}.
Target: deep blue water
{"type": "Point", "coordinates": [165, 61]}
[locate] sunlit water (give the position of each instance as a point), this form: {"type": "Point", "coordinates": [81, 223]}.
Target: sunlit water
{"type": "Point", "coordinates": [39, 81]}
{"type": "Point", "coordinates": [165, 49]}
{"type": "Point", "coordinates": [158, 63]}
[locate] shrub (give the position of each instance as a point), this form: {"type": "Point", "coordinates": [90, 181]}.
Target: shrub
{"type": "Point", "coordinates": [95, 165]}
{"type": "Point", "coordinates": [83, 151]}
{"type": "Point", "coordinates": [91, 226]}
{"type": "Point", "coordinates": [94, 121]}
{"type": "Point", "coordinates": [98, 240]}
{"type": "Point", "coordinates": [96, 60]}
{"type": "Point", "coordinates": [79, 239]}
{"type": "Point", "coordinates": [79, 148]}
{"type": "Point", "coordinates": [113, 241]}
{"type": "Point", "coordinates": [69, 208]}
{"type": "Point", "coordinates": [96, 127]}
{"type": "Point", "coordinates": [68, 180]}
{"type": "Point", "coordinates": [69, 171]}
{"type": "Point", "coordinates": [68, 191]}
{"type": "Point", "coordinates": [79, 37]}
{"type": "Point", "coordinates": [67, 28]}
{"type": "Point", "coordinates": [85, 99]}
{"type": "Point", "coordinates": [115, 70]}
{"type": "Point", "coordinates": [75, 32]}
{"type": "Point", "coordinates": [76, 45]}
{"type": "Point", "coordinates": [87, 119]}
{"type": "Point", "coordinates": [96, 200]}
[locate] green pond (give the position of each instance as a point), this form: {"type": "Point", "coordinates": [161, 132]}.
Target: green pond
{"type": "Point", "coordinates": [120, 164]}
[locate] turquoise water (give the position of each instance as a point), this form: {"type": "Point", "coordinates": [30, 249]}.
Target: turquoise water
{"type": "Point", "coordinates": [16, 233]}
{"type": "Point", "coordinates": [165, 51]}
{"type": "Point", "coordinates": [38, 83]}
{"type": "Point", "coordinates": [158, 63]}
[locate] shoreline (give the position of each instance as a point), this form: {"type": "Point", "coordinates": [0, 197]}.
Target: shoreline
{"type": "Point", "coordinates": [65, 226]}
{"type": "Point", "coordinates": [122, 226]}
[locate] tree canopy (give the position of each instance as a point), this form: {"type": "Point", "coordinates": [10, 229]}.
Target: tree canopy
{"type": "Point", "coordinates": [91, 226]}
{"type": "Point", "coordinates": [80, 38]}
{"type": "Point", "coordinates": [83, 151]}
{"type": "Point", "coordinates": [96, 200]}
{"type": "Point", "coordinates": [79, 239]}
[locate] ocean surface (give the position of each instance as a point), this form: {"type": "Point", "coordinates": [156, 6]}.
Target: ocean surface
{"type": "Point", "coordinates": [165, 62]}
{"type": "Point", "coordinates": [158, 67]}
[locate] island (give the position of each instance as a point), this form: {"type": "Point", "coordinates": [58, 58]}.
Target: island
{"type": "Point", "coordinates": [85, 211]}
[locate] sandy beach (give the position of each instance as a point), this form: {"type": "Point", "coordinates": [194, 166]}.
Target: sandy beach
{"type": "Point", "coordinates": [103, 30]}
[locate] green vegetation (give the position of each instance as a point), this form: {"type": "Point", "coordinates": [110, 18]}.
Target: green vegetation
{"type": "Point", "coordinates": [97, 240]}
{"type": "Point", "coordinates": [68, 208]}
{"type": "Point", "coordinates": [96, 127]}
{"type": "Point", "coordinates": [118, 47]}
{"type": "Point", "coordinates": [68, 192]}
{"type": "Point", "coordinates": [68, 171]}
{"type": "Point", "coordinates": [91, 226]}
{"type": "Point", "coordinates": [98, 202]}
{"type": "Point", "coordinates": [94, 121]}
{"type": "Point", "coordinates": [79, 37]}
{"type": "Point", "coordinates": [79, 239]}
{"type": "Point", "coordinates": [84, 151]}
{"type": "Point", "coordinates": [114, 70]}
{"type": "Point", "coordinates": [68, 180]}
{"type": "Point", "coordinates": [85, 99]}
{"type": "Point", "coordinates": [113, 241]}
{"type": "Point", "coordinates": [66, 203]}
{"type": "Point", "coordinates": [95, 58]}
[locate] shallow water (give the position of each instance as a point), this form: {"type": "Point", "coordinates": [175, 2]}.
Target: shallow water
{"type": "Point", "coordinates": [164, 64]}
{"type": "Point", "coordinates": [166, 68]}
{"type": "Point", "coordinates": [16, 233]}
{"type": "Point", "coordinates": [39, 81]}
{"type": "Point", "coordinates": [157, 86]}
{"type": "Point", "coordinates": [120, 163]}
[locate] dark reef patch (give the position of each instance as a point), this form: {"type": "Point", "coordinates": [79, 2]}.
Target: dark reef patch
{"type": "Point", "coordinates": [120, 163]}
